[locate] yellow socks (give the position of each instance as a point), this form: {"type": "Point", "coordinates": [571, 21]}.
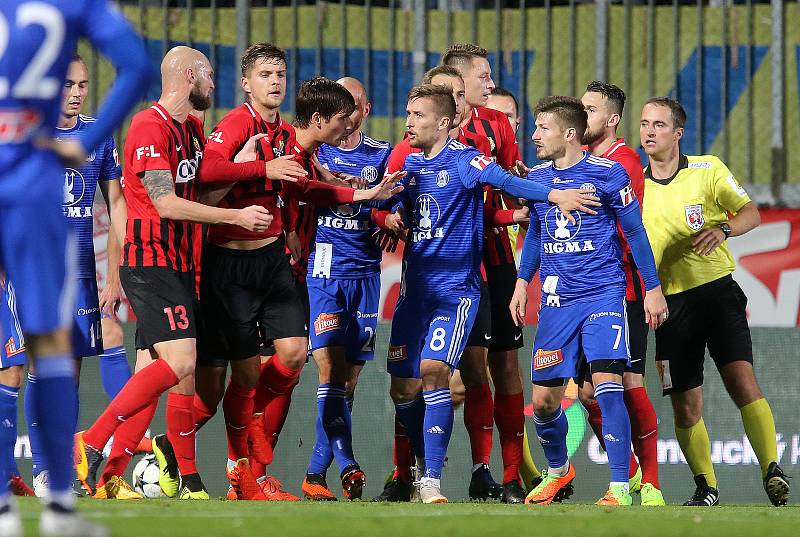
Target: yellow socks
{"type": "Point", "coordinates": [528, 469]}
{"type": "Point", "coordinates": [696, 447]}
{"type": "Point", "coordinates": [759, 426]}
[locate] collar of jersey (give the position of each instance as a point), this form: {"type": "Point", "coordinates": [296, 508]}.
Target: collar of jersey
{"type": "Point", "coordinates": [360, 141]}
{"type": "Point", "coordinates": [683, 163]}
{"type": "Point", "coordinates": [585, 154]}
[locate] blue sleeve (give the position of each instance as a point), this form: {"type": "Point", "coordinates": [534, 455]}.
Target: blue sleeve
{"type": "Point", "coordinates": [109, 169]}
{"type": "Point", "coordinates": [491, 173]}
{"type": "Point", "coordinates": [632, 226]}
{"type": "Point", "coordinates": [531, 250]}
{"type": "Point", "coordinates": [106, 28]}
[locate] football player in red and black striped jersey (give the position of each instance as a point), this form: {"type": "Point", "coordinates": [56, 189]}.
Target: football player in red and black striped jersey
{"type": "Point", "coordinates": [162, 154]}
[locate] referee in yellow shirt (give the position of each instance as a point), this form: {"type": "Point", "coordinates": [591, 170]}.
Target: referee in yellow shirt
{"type": "Point", "coordinates": [692, 204]}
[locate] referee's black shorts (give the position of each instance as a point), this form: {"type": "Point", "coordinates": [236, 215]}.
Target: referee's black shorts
{"type": "Point", "coordinates": [506, 336]}
{"type": "Point", "coordinates": [709, 316]}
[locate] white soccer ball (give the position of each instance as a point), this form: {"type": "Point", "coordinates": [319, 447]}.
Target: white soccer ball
{"type": "Point", "coordinates": [145, 477]}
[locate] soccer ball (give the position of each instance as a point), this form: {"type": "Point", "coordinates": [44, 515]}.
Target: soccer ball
{"type": "Point", "coordinates": [145, 477]}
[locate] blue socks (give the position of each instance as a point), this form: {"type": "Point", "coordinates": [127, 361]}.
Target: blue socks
{"type": "Point", "coordinates": [33, 426]}
{"type": "Point", "coordinates": [322, 455]}
{"type": "Point", "coordinates": [8, 432]}
{"type": "Point", "coordinates": [552, 433]}
{"type": "Point", "coordinates": [438, 426]}
{"type": "Point", "coordinates": [412, 414]}
{"type": "Point", "coordinates": [114, 370]}
{"type": "Point", "coordinates": [334, 422]}
{"type": "Point", "coordinates": [54, 404]}
{"type": "Point", "coordinates": [616, 429]}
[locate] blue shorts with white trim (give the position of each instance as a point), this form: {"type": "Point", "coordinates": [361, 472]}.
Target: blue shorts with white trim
{"type": "Point", "coordinates": [433, 327]}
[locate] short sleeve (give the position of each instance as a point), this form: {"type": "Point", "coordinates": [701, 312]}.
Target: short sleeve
{"type": "Point", "coordinates": [151, 147]}
{"type": "Point", "coordinates": [619, 194]}
{"type": "Point", "coordinates": [110, 169]}
{"type": "Point", "coordinates": [728, 193]}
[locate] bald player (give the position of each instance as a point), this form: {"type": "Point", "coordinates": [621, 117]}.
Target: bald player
{"type": "Point", "coordinates": [163, 150]}
{"type": "Point", "coordinates": [343, 290]}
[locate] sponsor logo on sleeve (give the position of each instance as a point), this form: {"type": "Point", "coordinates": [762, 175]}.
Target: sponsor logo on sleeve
{"type": "Point", "coordinates": [736, 186]}
{"type": "Point", "coordinates": [215, 136]}
{"type": "Point", "coordinates": [480, 162]}
{"type": "Point", "coordinates": [626, 195]}
{"type": "Point", "coordinates": [326, 322]}
{"type": "Point", "coordinates": [543, 359]}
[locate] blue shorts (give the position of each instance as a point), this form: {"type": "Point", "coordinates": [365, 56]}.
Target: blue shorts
{"type": "Point", "coordinates": [434, 327]}
{"type": "Point", "coordinates": [13, 350]}
{"type": "Point", "coordinates": [87, 334]}
{"type": "Point", "coordinates": [598, 329]}
{"type": "Point", "coordinates": [34, 255]}
{"type": "Point", "coordinates": [344, 313]}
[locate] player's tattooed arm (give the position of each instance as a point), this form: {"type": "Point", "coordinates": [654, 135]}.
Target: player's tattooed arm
{"type": "Point", "coordinates": [158, 183]}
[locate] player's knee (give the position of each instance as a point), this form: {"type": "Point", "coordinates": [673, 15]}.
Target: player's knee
{"type": "Point", "coordinates": [687, 407]}
{"type": "Point", "coordinates": [246, 372]}
{"type": "Point", "coordinates": [293, 352]}
{"type": "Point", "coordinates": [435, 374]}
{"type": "Point", "coordinates": [631, 381]}
{"type": "Point", "coordinates": [545, 401]}
{"type": "Point", "coordinates": [113, 336]}
{"type": "Point", "coordinates": [586, 394]}
{"type": "Point", "coordinates": [404, 390]}
{"type": "Point", "coordinates": [11, 376]}
{"type": "Point", "coordinates": [458, 393]}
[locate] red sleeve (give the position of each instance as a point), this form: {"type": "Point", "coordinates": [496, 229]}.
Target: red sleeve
{"type": "Point", "coordinates": [630, 161]}
{"type": "Point", "coordinates": [378, 217]}
{"type": "Point", "coordinates": [497, 217]}
{"type": "Point", "coordinates": [152, 145]}
{"type": "Point", "coordinates": [508, 153]}
{"type": "Point", "coordinates": [319, 193]}
{"type": "Point", "coordinates": [223, 143]}
{"type": "Point", "coordinates": [398, 157]}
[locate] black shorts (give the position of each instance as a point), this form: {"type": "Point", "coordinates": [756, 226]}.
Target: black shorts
{"type": "Point", "coordinates": [164, 301]}
{"type": "Point", "coordinates": [637, 343]}
{"type": "Point", "coordinates": [481, 335]}
{"type": "Point", "coordinates": [249, 300]}
{"type": "Point", "coordinates": [709, 316]}
{"type": "Point", "coordinates": [506, 336]}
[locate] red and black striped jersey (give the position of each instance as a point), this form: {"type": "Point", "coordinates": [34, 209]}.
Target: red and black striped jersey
{"type": "Point", "coordinates": [495, 126]}
{"type": "Point", "coordinates": [629, 159]}
{"type": "Point", "coordinates": [224, 142]}
{"type": "Point", "coordinates": [156, 141]}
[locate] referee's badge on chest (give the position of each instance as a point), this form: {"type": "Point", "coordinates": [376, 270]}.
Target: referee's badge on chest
{"type": "Point", "coordinates": [694, 216]}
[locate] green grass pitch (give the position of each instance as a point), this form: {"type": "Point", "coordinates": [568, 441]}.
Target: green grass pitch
{"type": "Point", "coordinates": [173, 518]}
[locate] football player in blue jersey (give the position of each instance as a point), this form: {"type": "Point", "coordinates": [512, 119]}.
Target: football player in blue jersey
{"type": "Point", "coordinates": [39, 38]}
{"type": "Point", "coordinates": [343, 291]}
{"type": "Point", "coordinates": [13, 357]}
{"type": "Point", "coordinates": [583, 295]}
{"type": "Point", "coordinates": [90, 335]}
{"type": "Point", "coordinates": [440, 289]}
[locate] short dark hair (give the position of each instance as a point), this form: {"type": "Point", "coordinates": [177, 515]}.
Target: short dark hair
{"type": "Point", "coordinates": [442, 97]}
{"type": "Point", "coordinates": [613, 93]}
{"type": "Point", "coordinates": [77, 58]}
{"type": "Point", "coordinates": [459, 54]}
{"type": "Point", "coordinates": [324, 96]}
{"type": "Point", "coordinates": [503, 92]}
{"type": "Point", "coordinates": [568, 110]}
{"type": "Point", "coordinates": [678, 112]}
{"type": "Point", "coordinates": [445, 70]}
{"type": "Point", "coordinates": [261, 51]}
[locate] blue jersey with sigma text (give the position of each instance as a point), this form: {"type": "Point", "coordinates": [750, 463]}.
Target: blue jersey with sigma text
{"type": "Point", "coordinates": [582, 262]}
{"type": "Point", "coordinates": [80, 186]}
{"type": "Point", "coordinates": [443, 199]}
{"type": "Point", "coordinates": [37, 41]}
{"type": "Point", "coordinates": [344, 247]}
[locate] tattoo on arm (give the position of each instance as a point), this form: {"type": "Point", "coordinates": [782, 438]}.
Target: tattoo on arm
{"type": "Point", "coordinates": [158, 183]}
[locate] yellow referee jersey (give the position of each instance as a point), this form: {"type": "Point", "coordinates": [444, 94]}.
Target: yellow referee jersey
{"type": "Point", "coordinates": [700, 195]}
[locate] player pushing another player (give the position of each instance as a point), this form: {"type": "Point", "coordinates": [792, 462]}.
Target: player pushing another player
{"type": "Point", "coordinates": [583, 291]}
{"type": "Point", "coordinates": [440, 288]}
